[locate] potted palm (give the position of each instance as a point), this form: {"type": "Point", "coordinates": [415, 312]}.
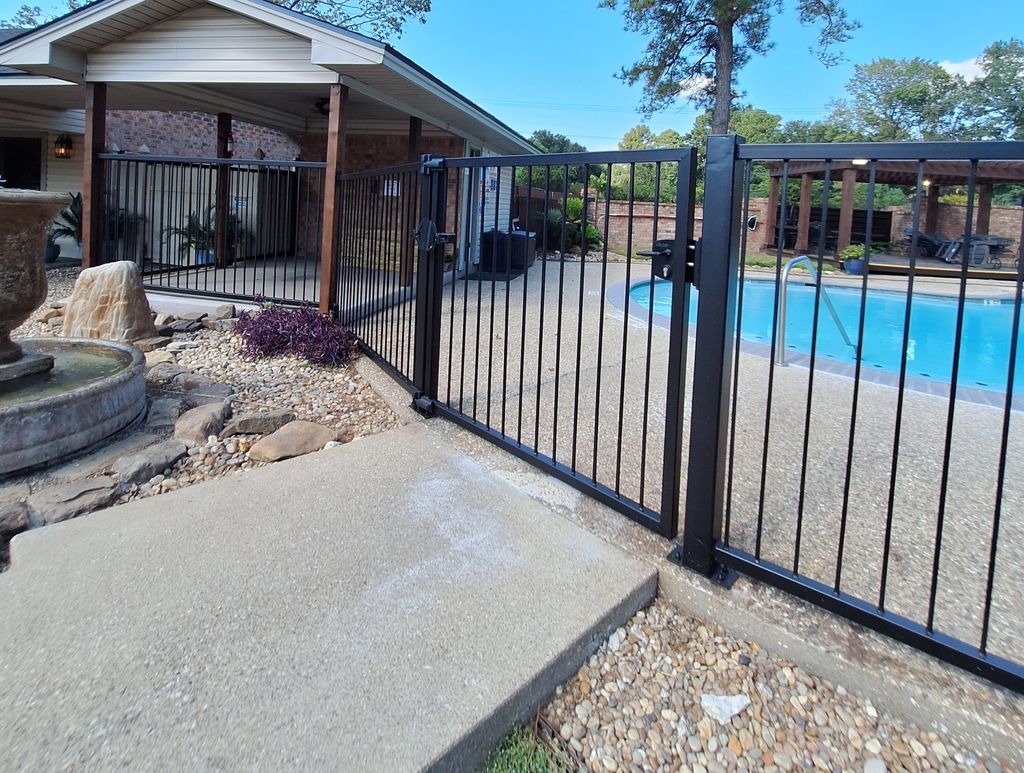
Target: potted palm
{"type": "Point", "coordinates": [196, 238]}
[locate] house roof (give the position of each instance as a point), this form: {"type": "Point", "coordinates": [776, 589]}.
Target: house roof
{"type": "Point", "coordinates": [102, 41]}
{"type": "Point", "coordinates": [7, 33]}
{"type": "Point", "coordinates": [905, 172]}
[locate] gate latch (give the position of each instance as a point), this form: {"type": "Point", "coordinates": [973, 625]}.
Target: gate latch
{"type": "Point", "coordinates": [662, 264]}
{"type": "Point", "coordinates": [427, 236]}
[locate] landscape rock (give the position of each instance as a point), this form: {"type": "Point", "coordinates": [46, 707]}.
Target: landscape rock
{"type": "Point", "coordinates": [224, 311]}
{"type": "Point", "coordinates": [140, 467]}
{"type": "Point", "coordinates": [163, 372]}
{"type": "Point", "coordinates": [14, 518]}
{"type": "Point", "coordinates": [108, 302]}
{"type": "Point", "coordinates": [293, 439]}
{"type": "Point", "coordinates": [193, 316]}
{"type": "Point", "coordinates": [220, 325]}
{"type": "Point", "coordinates": [59, 503]}
{"type": "Point", "coordinates": [158, 356]}
{"type": "Point", "coordinates": [258, 422]}
{"type": "Point", "coordinates": [185, 326]}
{"type": "Point", "coordinates": [46, 315]}
{"type": "Point", "coordinates": [163, 413]}
{"type": "Point", "coordinates": [162, 319]}
{"type": "Point", "coordinates": [14, 492]}
{"type": "Point", "coordinates": [723, 708]}
{"type": "Point", "coordinates": [196, 425]}
{"type": "Point", "coordinates": [151, 344]}
{"type": "Point", "coordinates": [198, 390]}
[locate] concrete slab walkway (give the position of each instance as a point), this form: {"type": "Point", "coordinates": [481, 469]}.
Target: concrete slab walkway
{"type": "Point", "coordinates": [387, 605]}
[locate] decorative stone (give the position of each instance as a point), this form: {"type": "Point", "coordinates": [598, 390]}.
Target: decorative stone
{"type": "Point", "coordinates": [151, 344]}
{"type": "Point", "coordinates": [162, 372]}
{"type": "Point", "coordinates": [224, 311]}
{"type": "Point", "coordinates": [161, 319]}
{"type": "Point", "coordinates": [220, 325]}
{"type": "Point", "coordinates": [159, 357]}
{"type": "Point", "coordinates": [193, 316]}
{"type": "Point", "coordinates": [258, 423]}
{"type": "Point", "coordinates": [108, 302]}
{"type": "Point", "coordinates": [14, 491]}
{"type": "Point", "coordinates": [723, 708]}
{"type": "Point", "coordinates": [196, 425]}
{"type": "Point", "coordinates": [59, 503]}
{"type": "Point", "coordinates": [46, 315]}
{"type": "Point", "coordinates": [198, 390]}
{"type": "Point", "coordinates": [163, 413]}
{"type": "Point", "coordinates": [24, 219]}
{"type": "Point", "coordinates": [293, 439]}
{"type": "Point", "coordinates": [14, 518]}
{"type": "Point", "coordinates": [140, 467]}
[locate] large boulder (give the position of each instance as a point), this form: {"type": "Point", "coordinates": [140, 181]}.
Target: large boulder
{"type": "Point", "coordinates": [108, 302]}
{"type": "Point", "coordinates": [195, 426]}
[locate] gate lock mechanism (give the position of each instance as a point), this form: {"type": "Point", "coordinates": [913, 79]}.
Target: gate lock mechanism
{"type": "Point", "coordinates": [427, 236]}
{"type": "Point", "coordinates": [662, 264]}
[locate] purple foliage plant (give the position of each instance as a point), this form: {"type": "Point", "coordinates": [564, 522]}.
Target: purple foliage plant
{"type": "Point", "coordinates": [304, 332]}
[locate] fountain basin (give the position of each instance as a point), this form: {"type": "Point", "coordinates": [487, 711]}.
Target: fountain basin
{"type": "Point", "coordinates": [96, 389]}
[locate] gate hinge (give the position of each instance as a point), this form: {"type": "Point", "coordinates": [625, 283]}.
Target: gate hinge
{"type": "Point", "coordinates": [422, 404]}
{"type": "Point", "coordinates": [431, 164]}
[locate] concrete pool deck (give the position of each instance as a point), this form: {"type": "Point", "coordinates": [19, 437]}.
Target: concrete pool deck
{"type": "Point", "coordinates": [388, 605]}
{"type": "Point", "coordinates": [606, 391]}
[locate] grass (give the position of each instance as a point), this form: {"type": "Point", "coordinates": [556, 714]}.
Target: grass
{"type": "Point", "coordinates": [761, 262]}
{"type": "Point", "coordinates": [522, 752]}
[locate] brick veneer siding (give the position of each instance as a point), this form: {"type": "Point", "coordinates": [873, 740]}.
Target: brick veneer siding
{"type": "Point", "coordinates": [1005, 221]}
{"type": "Point", "coordinates": [193, 135]}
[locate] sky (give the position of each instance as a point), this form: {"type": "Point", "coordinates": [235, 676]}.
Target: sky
{"type": "Point", "coordinates": [551, 64]}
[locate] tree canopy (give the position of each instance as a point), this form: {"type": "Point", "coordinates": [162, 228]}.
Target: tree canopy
{"type": "Point", "coordinates": [552, 142]}
{"type": "Point", "coordinates": [381, 18]}
{"type": "Point", "coordinates": [696, 48]}
{"type": "Point", "coordinates": [998, 95]}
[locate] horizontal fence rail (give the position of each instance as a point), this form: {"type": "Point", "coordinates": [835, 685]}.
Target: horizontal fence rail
{"type": "Point", "coordinates": [238, 229]}
{"type": "Point", "coordinates": [881, 477]}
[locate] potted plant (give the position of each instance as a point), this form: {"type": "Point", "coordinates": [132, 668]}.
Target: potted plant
{"type": "Point", "coordinates": [196, 237]}
{"type": "Point", "coordinates": [851, 260]}
{"type": "Point", "coordinates": [52, 250]}
{"type": "Point", "coordinates": [118, 226]}
{"type": "Point", "coordinates": [68, 224]}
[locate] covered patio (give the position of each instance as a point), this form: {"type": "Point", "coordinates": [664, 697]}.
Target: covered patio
{"type": "Point", "coordinates": [202, 224]}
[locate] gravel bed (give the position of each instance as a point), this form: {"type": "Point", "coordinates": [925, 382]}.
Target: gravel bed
{"type": "Point", "coordinates": [637, 705]}
{"type": "Point", "coordinates": [61, 281]}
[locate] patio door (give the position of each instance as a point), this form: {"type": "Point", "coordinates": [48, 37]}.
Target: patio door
{"type": "Point", "coordinates": [21, 163]}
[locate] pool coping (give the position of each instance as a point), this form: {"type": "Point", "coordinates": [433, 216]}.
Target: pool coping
{"type": "Point", "coordinates": [617, 293]}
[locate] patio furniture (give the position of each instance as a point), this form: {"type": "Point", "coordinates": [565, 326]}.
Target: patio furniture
{"type": "Point", "coordinates": [928, 245]}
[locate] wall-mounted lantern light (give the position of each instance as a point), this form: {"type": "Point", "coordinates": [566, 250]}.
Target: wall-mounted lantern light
{"type": "Point", "coordinates": [63, 147]}
{"type": "Point", "coordinates": [230, 146]}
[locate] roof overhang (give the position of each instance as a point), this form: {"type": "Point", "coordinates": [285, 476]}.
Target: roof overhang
{"type": "Point", "coordinates": [67, 51]}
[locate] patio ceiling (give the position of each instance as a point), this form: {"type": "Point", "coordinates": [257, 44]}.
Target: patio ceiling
{"type": "Point", "coordinates": [260, 62]}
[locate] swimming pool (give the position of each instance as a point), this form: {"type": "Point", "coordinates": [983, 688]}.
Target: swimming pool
{"type": "Point", "coordinates": [984, 355]}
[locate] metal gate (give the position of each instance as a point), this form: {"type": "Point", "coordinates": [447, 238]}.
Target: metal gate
{"type": "Point", "coordinates": [526, 307]}
{"type": "Point", "coordinates": [545, 304]}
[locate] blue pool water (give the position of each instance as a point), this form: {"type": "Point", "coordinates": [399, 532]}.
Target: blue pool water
{"type": "Point", "coordinates": [984, 356]}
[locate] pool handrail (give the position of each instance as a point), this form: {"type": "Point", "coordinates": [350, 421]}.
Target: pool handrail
{"type": "Point", "coordinates": [780, 350]}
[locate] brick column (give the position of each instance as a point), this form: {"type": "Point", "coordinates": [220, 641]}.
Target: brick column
{"type": "Point", "coordinates": [92, 173]}
{"type": "Point", "coordinates": [772, 215]}
{"type": "Point", "coordinates": [331, 205]}
{"type": "Point", "coordinates": [984, 209]}
{"type": "Point", "coordinates": [931, 210]}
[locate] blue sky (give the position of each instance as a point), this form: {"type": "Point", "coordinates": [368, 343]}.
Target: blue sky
{"type": "Point", "coordinates": [551, 64]}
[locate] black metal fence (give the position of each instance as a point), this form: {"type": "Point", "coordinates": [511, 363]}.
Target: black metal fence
{"type": "Point", "coordinates": [221, 227]}
{"type": "Point", "coordinates": [863, 435]}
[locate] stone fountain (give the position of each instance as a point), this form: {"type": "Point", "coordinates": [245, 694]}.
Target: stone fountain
{"type": "Point", "coordinates": [57, 396]}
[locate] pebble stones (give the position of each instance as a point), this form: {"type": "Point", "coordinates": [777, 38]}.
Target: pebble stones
{"type": "Point", "coordinates": [668, 692]}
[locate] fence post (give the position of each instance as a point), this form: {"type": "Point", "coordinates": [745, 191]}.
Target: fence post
{"type": "Point", "coordinates": [429, 280]}
{"type": "Point", "coordinates": [713, 353]}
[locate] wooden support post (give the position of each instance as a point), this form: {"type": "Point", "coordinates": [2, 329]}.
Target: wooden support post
{"type": "Point", "coordinates": [222, 205]}
{"type": "Point", "coordinates": [92, 173]}
{"type": "Point", "coordinates": [331, 206]}
{"type": "Point", "coordinates": [931, 210]}
{"type": "Point", "coordinates": [984, 209]}
{"type": "Point", "coordinates": [803, 223]}
{"type": "Point", "coordinates": [406, 258]}
{"type": "Point", "coordinates": [771, 217]}
{"type": "Point", "coordinates": [846, 210]}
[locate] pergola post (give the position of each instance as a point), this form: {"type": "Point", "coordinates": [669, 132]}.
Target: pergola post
{"type": "Point", "coordinates": [220, 227]}
{"type": "Point", "coordinates": [931, 210]}
{"type": "Point", "coordinates": [92, 173]}
{"type": "Point", "coordinates": [984, 208]}
{"type": "Point", "coordinates": [771, 217]}
{"type": "Point", "coordinates": [846, 210]}
{"type": "Point", "coordinates": [405, 266]}
{"type": "Point", "coordinates": [331, 205]}
{"type": "Point", "coordinates": [803, 224]}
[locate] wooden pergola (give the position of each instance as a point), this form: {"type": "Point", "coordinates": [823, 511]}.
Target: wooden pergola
{"type": "Point", "coordinates": [933, 174]}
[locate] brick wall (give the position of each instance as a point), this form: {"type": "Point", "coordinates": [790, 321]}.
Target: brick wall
{"type": "Point", "coordinates": [193, 135]}
{"type": "Point", "coordinates": [643, 224]}
{"type": "Point", "coordinates": [1005, 221]}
